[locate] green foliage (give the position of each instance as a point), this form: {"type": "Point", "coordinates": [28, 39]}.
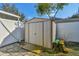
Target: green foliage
{"type": "Point", "coordinates": [22, 17]}
{"type": "Point", "coordinates": [60, 5]}
{"type": "Point", "coordinates": [11, 8]}
{"type": "Point", "coordinates": [48, 8]}
{"type": "Point", "coordinates": [74, 16]}
{"type": "Point", "coordinates": [43, 8]}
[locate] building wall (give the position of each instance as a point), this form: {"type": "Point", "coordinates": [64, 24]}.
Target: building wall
{"type": "Point", "coordinates": [68, 30]}
{"type": "Point", "coordinates": [5, 36]}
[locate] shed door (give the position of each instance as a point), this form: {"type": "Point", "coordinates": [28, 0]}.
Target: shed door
{"type": "Point", "coordinates": [35, 35]}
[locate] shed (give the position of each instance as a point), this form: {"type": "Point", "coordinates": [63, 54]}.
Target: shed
{"type": "Point", "coordinates": [10, 30]}
{"type": "Point", "coordinates": [40, 31]}
{"type": "Point", "coordinates": [68, 29]}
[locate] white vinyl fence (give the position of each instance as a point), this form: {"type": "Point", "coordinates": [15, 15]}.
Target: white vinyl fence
{"type": "Point", "coordinates": [6, 37]}
{"type": "Point", "coordinates": [68, 30]}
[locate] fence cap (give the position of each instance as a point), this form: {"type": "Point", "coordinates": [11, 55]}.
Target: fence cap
{"type": "Point", "coordinates": [7, 13]}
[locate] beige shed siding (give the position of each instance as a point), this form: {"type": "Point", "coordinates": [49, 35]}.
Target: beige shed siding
{"type": "Point", "coordinates": [47, 34]}
{"type": "Point", "coordinates": [35, 33]}
{"type": "Point", "coordinates": [53, 31]}
{"type": "Point", "coordinates": [40, 32]}
{"type": "Point", "coordinates": [26, 32]}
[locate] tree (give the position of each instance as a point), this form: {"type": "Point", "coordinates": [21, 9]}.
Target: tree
{"type": "Point", "coordinates": [76, 15]}
{"type": "Point", "coordinates": [22, 17]}
{"type": "Point", "coordinates": [5, 7]}
{"type": "Point", "coordinates": [11, 8]}
{"type": "Point", "coordinates": [48, 8]}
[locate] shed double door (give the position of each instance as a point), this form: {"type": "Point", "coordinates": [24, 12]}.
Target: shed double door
{"type": "Point", "coordinates": [35, 33]}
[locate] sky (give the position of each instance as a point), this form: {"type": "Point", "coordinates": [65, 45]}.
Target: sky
{"type": "Point", "coordinates": [28, 9]}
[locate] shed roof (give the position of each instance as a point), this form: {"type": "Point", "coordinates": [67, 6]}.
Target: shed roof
{"type": "Point", "coordinates": [57, 20]}
{"type": "Point", "coordinates": [38, 20]}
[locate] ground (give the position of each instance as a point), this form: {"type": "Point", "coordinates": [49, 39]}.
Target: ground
{"type": "Point", "coordinates": [73, 51]}
{"type": "Point", "coordinates": [17, 50]}
{"type": "Point", "coordinates": [14, 50]}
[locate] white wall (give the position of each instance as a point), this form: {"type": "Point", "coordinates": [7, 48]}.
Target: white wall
{"type": "Point", "coordinates": [68, 30]}
{"type": "Point", "coordinates": [5, 37]}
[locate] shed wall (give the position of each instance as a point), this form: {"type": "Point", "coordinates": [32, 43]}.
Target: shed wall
{"type": "Point", "coordinates": [40, 33]}
{"type": "Point", "coordinates": [47, 34]}
{"type": "Point", "coordinates": [53, 31]}
{"type": "Point", "coordinates": [26, 32]}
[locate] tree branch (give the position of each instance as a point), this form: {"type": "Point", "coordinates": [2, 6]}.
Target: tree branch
{"type": "Point", "coordinates": [56, 13]}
